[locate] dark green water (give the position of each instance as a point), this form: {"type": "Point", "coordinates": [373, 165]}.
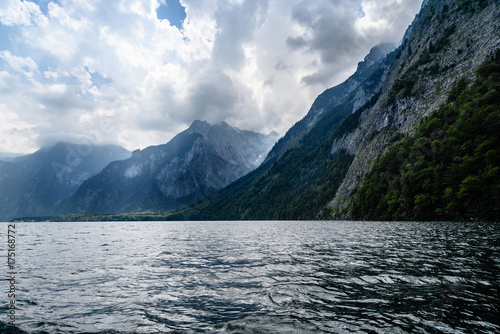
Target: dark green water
{"type": "Point", "coordinates": [255, 277]}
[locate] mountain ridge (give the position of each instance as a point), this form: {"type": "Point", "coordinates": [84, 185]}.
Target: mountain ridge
{"type": "Point", "coordinates": [276, 190]}
{"type": "Point", "coordinates": [328, 99]}
{"type": "Point", "coordinates": [33, 184]}
{"type": "Point", "coordinates": [195, 163]}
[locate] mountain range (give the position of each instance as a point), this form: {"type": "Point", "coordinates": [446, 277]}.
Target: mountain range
{"type": "Point", "coordinates": [336, 166]}
{"type": "Point", "coordinates": [34, 184]}
{"type": "Point", "coordinates": [194, 164]}
{"type": "Point", "coordinates": [72, 178]}
{"type": "Point", "coordinates": [411, 135]}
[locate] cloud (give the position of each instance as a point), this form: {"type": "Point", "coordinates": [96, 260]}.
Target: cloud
{"type": "Point", "coordinates": [341, 30]}
{"type": "Point", "coordinates": [69, 66]}
{"type": "Point", "coordinates": [19, 64]}
{"type": "Point", "coordinates": [321, 21]}
{"type": "Point", "coordinates": [296, 43]}
{"type": "Point", "coordinates": [20, 135]}
{"type": "Point", "coordinates": [56, 12]}
{"type": "Point", "coordinates": [236, 24]}
{"type": "Point", "coordinates": [214, 95]}
{"type": "Point", "coordinates": [14, 12]}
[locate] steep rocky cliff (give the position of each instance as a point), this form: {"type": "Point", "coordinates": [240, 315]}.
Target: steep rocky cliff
{"type": "Point", "coordinates": [447, 41]}
{"type": "Point", "coordinates": [371, 68]}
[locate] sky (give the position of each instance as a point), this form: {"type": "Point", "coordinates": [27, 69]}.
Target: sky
{"type": "Point", "coordinates": [137, 72]}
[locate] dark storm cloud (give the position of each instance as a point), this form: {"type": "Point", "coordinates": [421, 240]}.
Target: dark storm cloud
{"type": "Point", "coordinates": [330, 32]}
{"type": "Point", "coordinates": [296, 42]}
{"type": "Point", "coordinates": [316, 78]}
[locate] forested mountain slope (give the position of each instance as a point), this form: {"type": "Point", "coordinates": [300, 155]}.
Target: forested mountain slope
{"type": "Point", "coordinates": [450, 169]}
{"type": "Point", "coordinates": [320, 175]}
{"type": "Point", "coordinates": [447, 42]}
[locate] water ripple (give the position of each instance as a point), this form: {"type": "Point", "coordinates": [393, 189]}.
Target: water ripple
{"type": "Point", "coordinates": [258, 277]}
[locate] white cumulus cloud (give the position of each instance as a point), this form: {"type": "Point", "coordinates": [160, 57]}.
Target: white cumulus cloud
{"type": "Point", "coordinates": [67, 67]}
{"type": "Point", "coordinates": [17, 12]}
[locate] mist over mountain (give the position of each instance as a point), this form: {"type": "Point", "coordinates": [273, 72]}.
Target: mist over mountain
{"type": "Point", "coordinates": [8, 156]}
{"type": "Point", "coordinates": [31, 185]}
{"type": "Point", "coordinates": [194, 164]}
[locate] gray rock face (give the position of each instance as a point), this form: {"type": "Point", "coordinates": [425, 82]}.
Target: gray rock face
{"type": "Point", "coordinates": [446, 42]}
{"type": "Point", "coordinates": [195, 163]}
{"type": "Point", "coordinates": [33, 184]}
{"type": "Point", "coordinates": [331, 97]}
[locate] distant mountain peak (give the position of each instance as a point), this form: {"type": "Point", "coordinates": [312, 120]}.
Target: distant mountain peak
{"type": "Point", "coordinates": [198, 122]}
{"type": "Point", "coordinates": [193, 164]}
{"type": "Point", "coordinates": [31, 185]}
{"type": "Point", "coordinates": [337, 95]}
{"type": "Point", "coordinates": [378, 51]}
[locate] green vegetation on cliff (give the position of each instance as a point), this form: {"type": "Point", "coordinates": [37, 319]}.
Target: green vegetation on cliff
{"type": "Point", "coordinates": [298, 185]}
{"type": "Point", "coordinates": [450, 169]}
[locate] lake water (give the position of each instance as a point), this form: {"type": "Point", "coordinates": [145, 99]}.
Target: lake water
{"type": "Point", "coordinates": [254, 277]}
